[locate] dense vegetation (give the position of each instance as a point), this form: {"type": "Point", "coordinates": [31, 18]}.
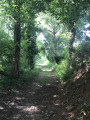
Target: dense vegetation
{"type": "Point", "coordinates": [36, 33]}
{"type": "Point", "coordinates": [59, 35]}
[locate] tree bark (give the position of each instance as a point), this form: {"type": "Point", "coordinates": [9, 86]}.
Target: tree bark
{"type": "Point", "coordinates": [16, 50]}
{"type": "Point", "coordinates": [71, 41]}
{"type": "Point", "coordinates": [17, 37]}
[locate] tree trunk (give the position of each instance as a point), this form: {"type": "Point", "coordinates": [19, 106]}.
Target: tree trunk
{"type": "Point", "coordinates": [71, 41]}
{"type": "Point", "coordinates": [17, 37]}
{"type": "Point", "coordinates": [16, 50]}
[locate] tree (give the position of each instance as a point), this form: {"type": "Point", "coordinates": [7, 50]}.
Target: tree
{"type": "Point", "coordinates": [31, 7]}
{"type": "Point", "coordinates": [17, 9]}
{"type": "Point", "coordinates": [55, 41]}
{"type": "Point", "coordinates": [6, 53]}
{"type": "Point", "coordinates": [69, 11]}
{"type": "Point", "coordinates": [31, 42]}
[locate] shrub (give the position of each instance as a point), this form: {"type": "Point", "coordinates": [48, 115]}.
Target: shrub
{"type": "Point", "coordinates": [82, 54]}
{"type": "Point", "coordinates": [25, 77]}
{"type": "Point", "coordinates": [63, 72]}
{"type": "Point", "coordinates": [29, 75]}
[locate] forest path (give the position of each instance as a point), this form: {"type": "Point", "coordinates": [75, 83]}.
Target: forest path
{"type": "Point", "coordinates": [43, 100]}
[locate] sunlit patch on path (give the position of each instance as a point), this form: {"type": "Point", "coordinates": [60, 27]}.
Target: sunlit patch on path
{"type": "Point", "coordinates": [47, 101]}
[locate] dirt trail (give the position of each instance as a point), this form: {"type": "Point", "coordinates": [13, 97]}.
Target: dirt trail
{"type": "Point", "coordinates": [38, 102]}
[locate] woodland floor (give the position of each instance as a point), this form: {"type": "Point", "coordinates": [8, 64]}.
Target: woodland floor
{"type": "Point", "coordinates": [42, 101]}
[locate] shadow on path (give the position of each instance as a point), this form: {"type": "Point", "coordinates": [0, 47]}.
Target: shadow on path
{"type": "Point", "coordinates": [38, 102]}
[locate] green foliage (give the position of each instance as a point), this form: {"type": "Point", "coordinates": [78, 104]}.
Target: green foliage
{"type": "Point", "coordinates": [25, 76]}
{"type": "Point", "coordinates": [55, 44]}
{"type": "Point", "coordinates": [82, 54]}
{"type": "Point", "coordinates": [55, 37]}
{"type": "Point", "coordinates": [29, 75]}
{"type": "Point", "coordinates": [6, 51]}
{"type": "Point", "coordinates": [68, 11]}
{"type": "Point", "coordinates": [62, 71]}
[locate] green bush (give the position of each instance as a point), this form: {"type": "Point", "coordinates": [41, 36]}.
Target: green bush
{"type": "Point", "coordinates": [29, 75]}
{"type": "Point", "coordinates": [63, 72]}
{"type": "Point", "coordinates": [6, 55]}
{"type": "Point", "coordinates": [81, 55]}
{"type": "Point", "coordinates": [25, 76]}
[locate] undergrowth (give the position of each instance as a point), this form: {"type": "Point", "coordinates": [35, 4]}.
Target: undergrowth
{"type": "Point", "coordinates": [25, 77]}
{"type": "Point", "coordinates": [62, 71]}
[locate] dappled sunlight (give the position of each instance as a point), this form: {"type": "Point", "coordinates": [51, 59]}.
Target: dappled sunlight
{"type": "Point", "coordinates": [48, 84]}
{"type": "Point", "coordinates": [35, 84]}
{"type": "Point", "coordinates": [80, 74]}
{"type": "Point", "coordinates": [43, 63]}
{"type": "Point", "coordinates": [32, 93]}
{"type": "Point", "coordinates": [16, 117]}
{"type": "Point", "coordinates": [1, 108]}
{"type": "Point", "coordinates": [52, 75]}
{"type": "Point", "coordinates": [20, 107]}
{"type": "Point", "coordinates": [45, 66]}
{"type": "Point", "coordinates": [19, 98]}
{"type": "Point", "coordinates": [44, 59]}
{"type": "Point", "coordinates": [38, 102]}
{"type": "Point", "coordinates": [31, 109]}
{"type": "Point", "coordinates": [16, 91]}
{"type": "Point", "coordinates": [56, 103]}
{"type": "Point", "coordinates": [11, 103]}
{"type": "Point", "coordinates": [71, 115]}
{"type": "Point", "coordinates": [46, 69]}
{"type": "Point", "coordinates": [56, 96]}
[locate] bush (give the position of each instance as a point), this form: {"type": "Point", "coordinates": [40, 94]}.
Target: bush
{"type": "Point", "coordinates": [25, 77]}
{"type": "Point", "coordinates": [81, 55]}
{"type": "Point", "coordinates": [29, 75]}
{"type": "Point", "coordinates": [63, 72]}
